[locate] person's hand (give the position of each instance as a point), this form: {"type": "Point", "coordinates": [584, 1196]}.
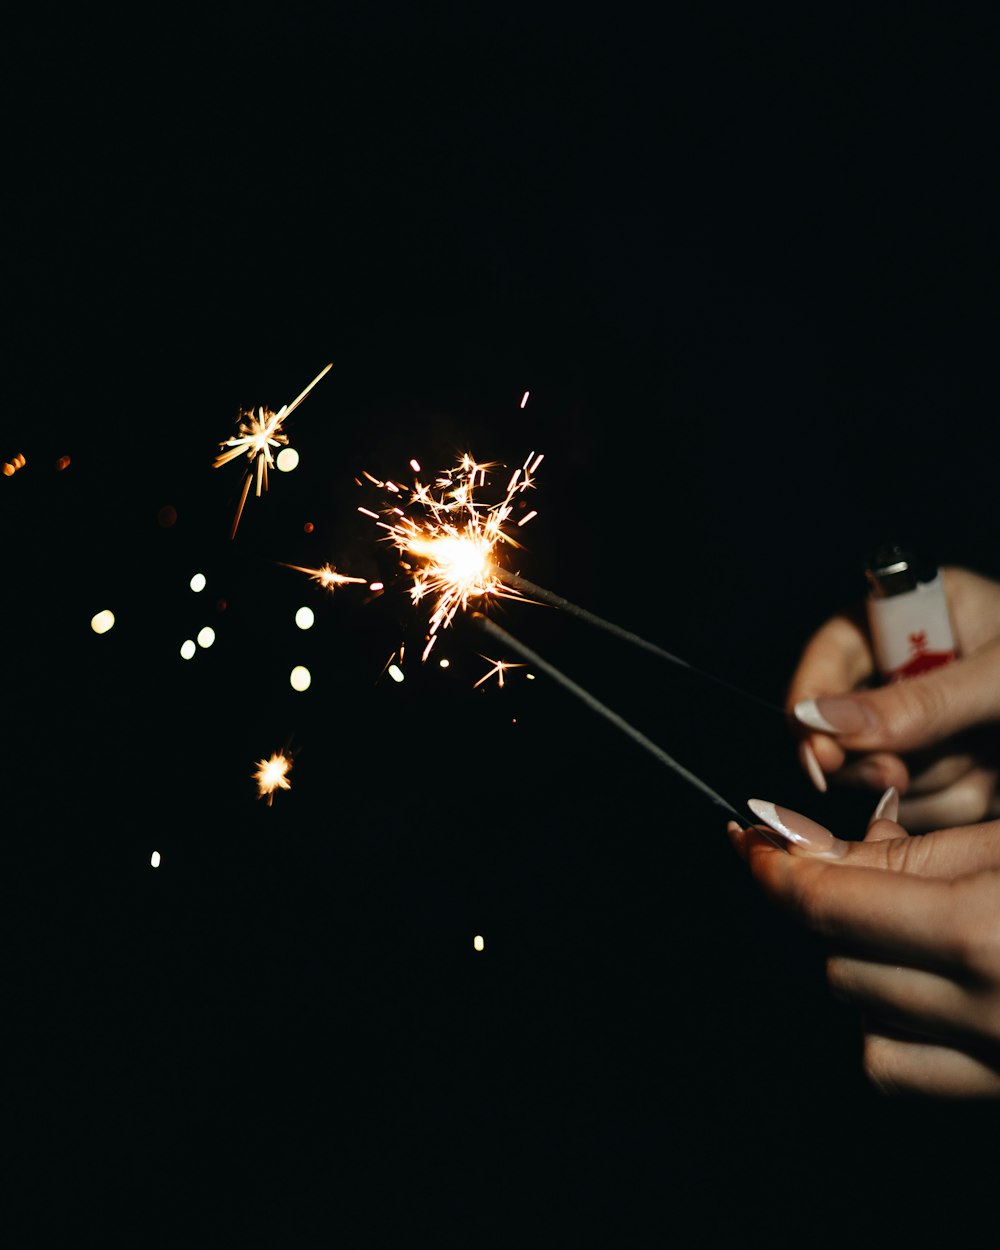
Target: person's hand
{"type": "Point", "coordinates": [913, 929]}
{"type": "Point", "coordinates": [934, 737]}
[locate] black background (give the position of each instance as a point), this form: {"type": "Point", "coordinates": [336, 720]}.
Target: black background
{"type": "Point", "coordinates": [745, 265]}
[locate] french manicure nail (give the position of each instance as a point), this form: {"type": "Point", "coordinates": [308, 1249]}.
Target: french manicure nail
{"type": "Point", "coordinates": [805, 836]}
{"type": "Point", "coordinates": [811, 764]}
{"type": "Point", "coordinates": [887, 807]}
{"type": "Point", "coordinates": [834, 715]}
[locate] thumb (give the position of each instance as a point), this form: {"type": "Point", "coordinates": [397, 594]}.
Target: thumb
{"type": "Point", "coordinates": [917, 712]}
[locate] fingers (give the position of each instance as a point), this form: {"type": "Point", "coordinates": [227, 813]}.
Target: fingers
{"type": "Point", "coordinates": [967, 800]}
{"type": "Point", "coordinates": [909, 911]}
{"type": "Point", "coordinates": [911, 714]}
{"type": "Point", "coordinates": [900, 1066]}
{"type": "Point", "coordinates": [837, 719]}
{"type": "Point", "coordinates": [915, 999]}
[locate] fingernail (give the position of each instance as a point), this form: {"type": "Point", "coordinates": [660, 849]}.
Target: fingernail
{"type": "Point", "coordinates": [887, 807]}
{"type": "Point", "coordinates": [805, 836]}
{"type": "Point", "coordinates": [811, 764]}
{"type": "Point", "coordinates": [834, 715]}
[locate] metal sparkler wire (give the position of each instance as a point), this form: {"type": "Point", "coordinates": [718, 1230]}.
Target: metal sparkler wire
{"type": "Point", "coordinates": [498, 634]}
{"type": "Point", "coordinates": [516, 582]}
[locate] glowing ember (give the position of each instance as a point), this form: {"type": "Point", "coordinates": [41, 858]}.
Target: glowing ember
{"type": "Point", "coordinates": [272, 774]}
{"type": "Point", "coordinates": [255, 438]}
{"type": "Point", "coordinates": [449, 537]}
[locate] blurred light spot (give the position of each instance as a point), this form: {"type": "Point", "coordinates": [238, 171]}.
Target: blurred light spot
{"type": "Point", "coordinates": [415, 466]}
{"type": "Point", "coordinates": [308, 527]}
{"type": "Point", "coordinates": [376, 585]}
{"type": "Point", "coordinates": [529, 676]}
{"type": "Point", "coordinates": [300, 677]}
{"type": "Point", "coordinates": [12, 465]}
{"type": "Point", "coordinates": [62, 463]}
{"type": "Point", "coordinates": [524, 398]}
{"type": "Point", "coordinates": [198, 583]}
{"type": "Point", "coordinates": [221, 605]}
{"type": "Point", "coordinates": [154, 859]}
{"type": "Point", "coordinates": [188, 649]}
{"type": "Point", "coordinates": [443, 663]}
{"type": "Point", "coordinates": [395, 673]}
{"type": "Point", "coordinates": [478, 942]}
{"type": "Point", "coordinates": [286, 459]}
{"type": "Point", "coordinates": [102, 621]}
{"type": "Point", "coordinates": [166, 517]}
{"type": "Point", "coordinates": [206, 636]}
{"type": "Point", "coordinates": [305, 618]}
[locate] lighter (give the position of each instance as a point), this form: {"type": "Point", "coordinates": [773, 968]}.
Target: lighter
{"type": "Point", "coordinates": [907, 614]}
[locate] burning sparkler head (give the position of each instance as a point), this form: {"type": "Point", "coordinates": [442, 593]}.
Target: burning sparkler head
{"type": "Point", "coordinates": [450, 536]}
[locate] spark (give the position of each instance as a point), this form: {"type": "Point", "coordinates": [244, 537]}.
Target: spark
{"type": "Point", "coordinates": [272, 774]}
{"type": "Point", "coordinates": [255, 437]}
{"type": "Point", "coordinates": [448, 536]}
{"type": "Point", "coordinates": [327, 576]}
{"type": "Point", "coordinates": [499, 668]}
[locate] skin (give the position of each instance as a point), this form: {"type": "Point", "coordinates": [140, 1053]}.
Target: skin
{"type": "Point", "coordinates": [936, 737]}
{"type": "Point", "coordinates": [912, 925]}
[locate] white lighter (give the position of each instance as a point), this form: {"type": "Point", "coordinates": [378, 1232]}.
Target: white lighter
{"type": "Point", "coordinates": [907, 615]}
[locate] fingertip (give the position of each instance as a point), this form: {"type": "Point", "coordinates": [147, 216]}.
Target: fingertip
{"type": "Point", "coordinates": [883, 824]}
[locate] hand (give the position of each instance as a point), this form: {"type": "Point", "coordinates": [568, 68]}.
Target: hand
{"type": "Point", "coordinates": [913, 928]}
{"type": "Point", "coordinates": [935, 737]}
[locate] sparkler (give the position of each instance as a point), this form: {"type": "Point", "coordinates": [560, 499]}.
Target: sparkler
{"type": "Point", "coordinates": [255, 437]}
{"type": "Point", "coordinates": [272, 774]}
{"type": "Point", "coordinates": [449, 549]}
{"type": "Point", "coordinates": [457, 540]}
{"type": "Point", "coordinates": [498, 634]}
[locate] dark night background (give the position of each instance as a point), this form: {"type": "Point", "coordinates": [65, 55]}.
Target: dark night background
{"type": "Point", "coordinates": [746, 265]}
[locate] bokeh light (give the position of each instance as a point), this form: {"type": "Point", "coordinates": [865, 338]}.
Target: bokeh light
{"type": "Point", "coordinates": [305, 618]}
{"type": "Point", "coordinates": [300, 678]}
{"type": "Point", "coordinates": [101, 622]}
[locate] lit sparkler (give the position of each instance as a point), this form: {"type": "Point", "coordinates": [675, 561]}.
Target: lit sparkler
{"type": "Point", "coordinates": [455, 541]}
{"type": "Point", "coordinates": [449, 546]}
{"type": "Point", "coordinates": [272, 775]}
{"type": "Point", "coordinates": [255, 437]}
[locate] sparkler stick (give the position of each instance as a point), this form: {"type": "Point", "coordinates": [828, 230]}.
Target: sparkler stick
{"type": "Point", "coordinates": [528, 589]}
{"type": "Point", "coordinates": [498, 634]}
